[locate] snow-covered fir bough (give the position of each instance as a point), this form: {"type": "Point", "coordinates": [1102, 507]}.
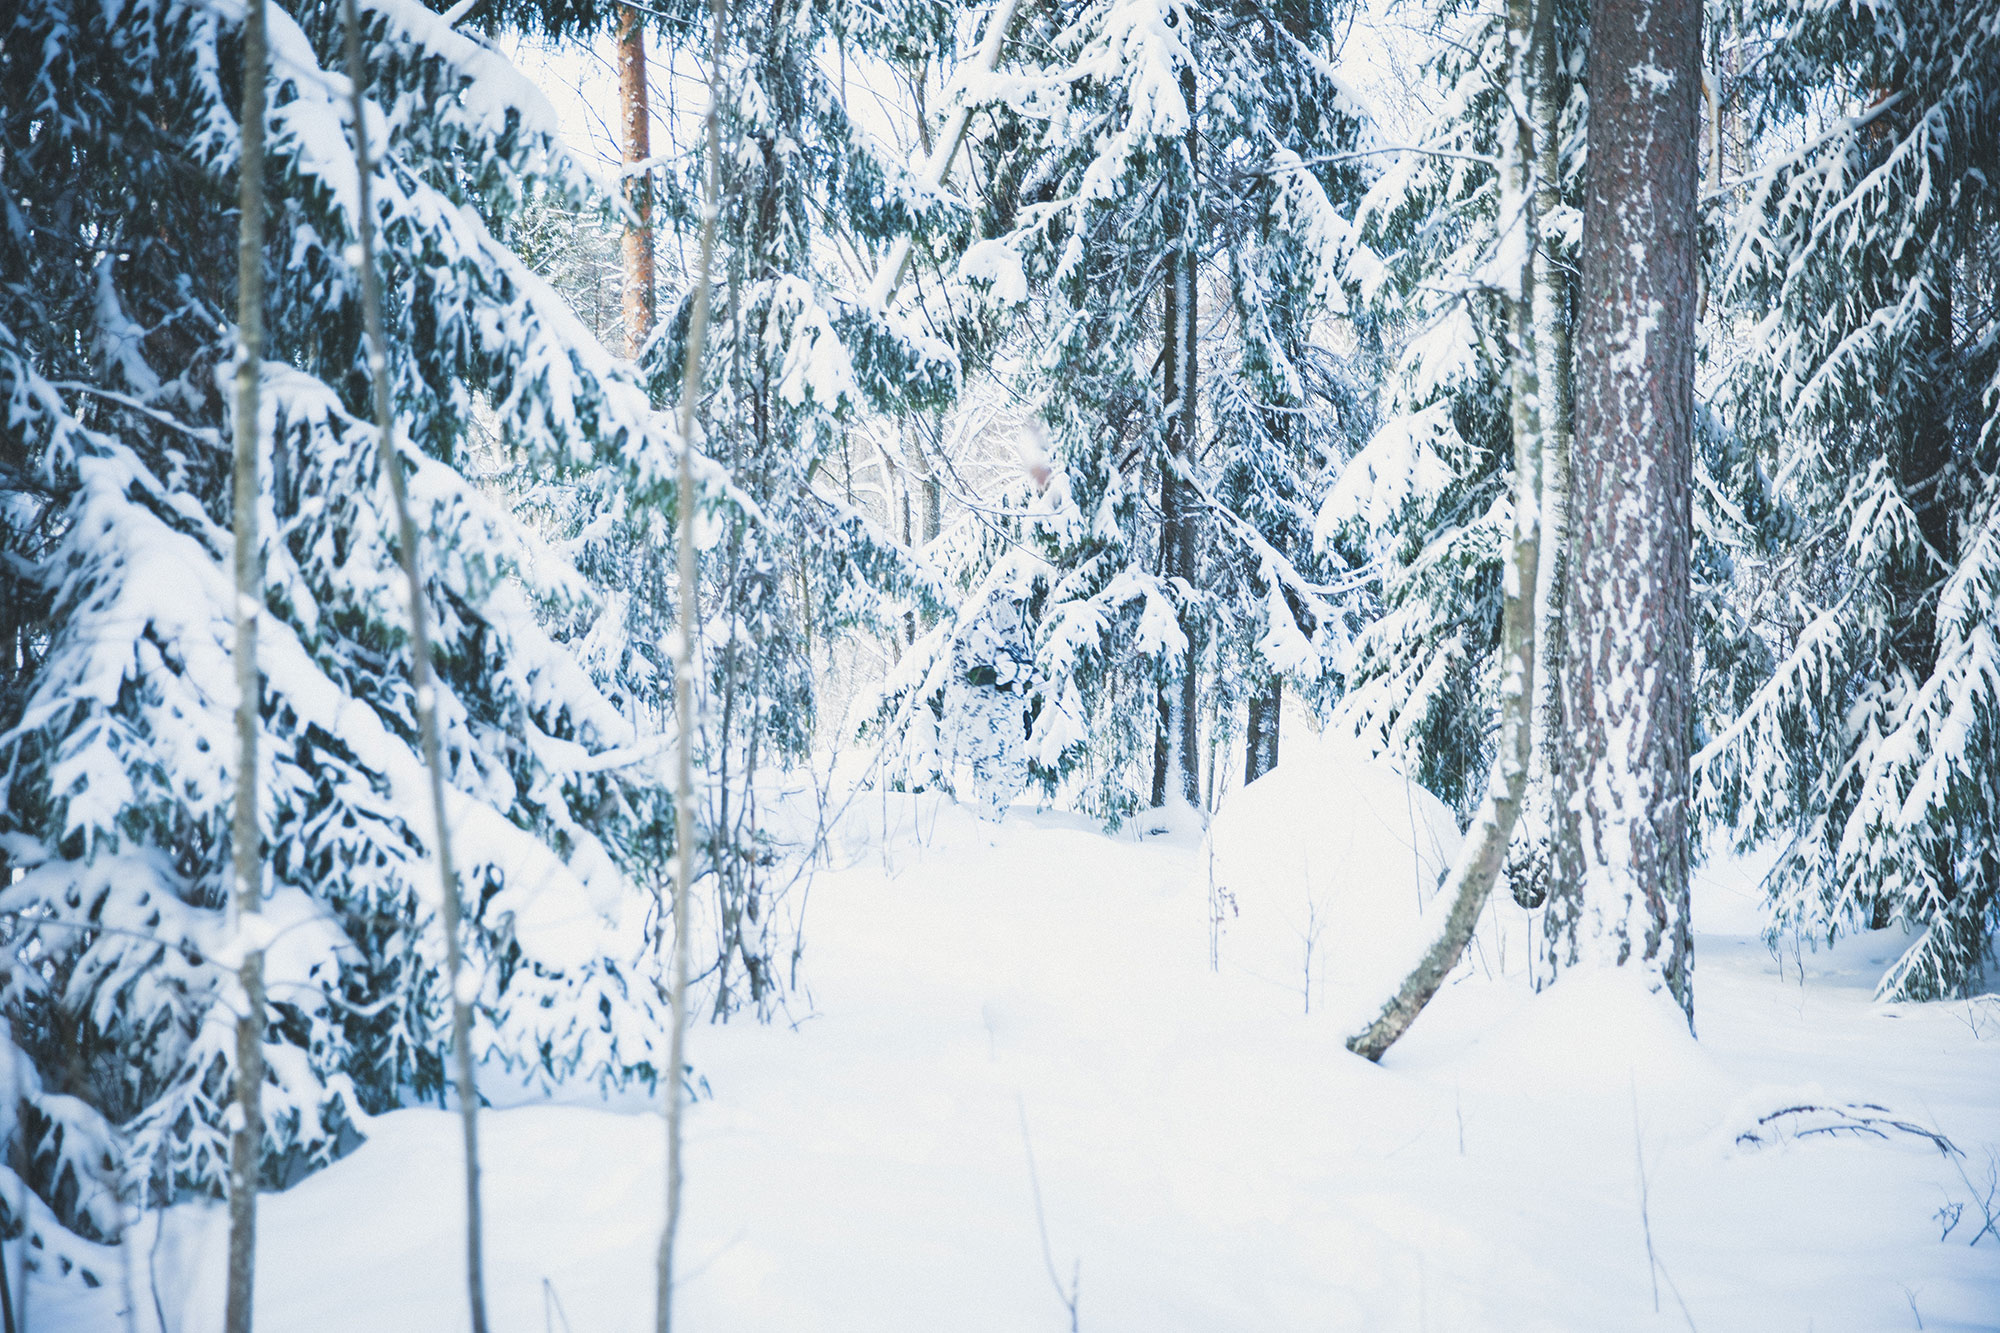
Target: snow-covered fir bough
{"type": "Point", "coordinates": [1860, 379]}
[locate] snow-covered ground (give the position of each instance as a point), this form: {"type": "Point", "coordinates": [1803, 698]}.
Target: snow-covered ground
{"type": "Point", "coordinates": [1026, 1070]}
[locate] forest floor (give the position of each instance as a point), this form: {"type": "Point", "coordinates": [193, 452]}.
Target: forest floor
{"type": "Point", "coordinates": [1023, 1091]}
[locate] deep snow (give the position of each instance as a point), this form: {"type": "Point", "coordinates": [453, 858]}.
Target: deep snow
{"type": "Point", "coordinates": [1208, 1155]}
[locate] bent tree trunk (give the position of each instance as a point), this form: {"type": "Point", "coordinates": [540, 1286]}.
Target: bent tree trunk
{"type": "Point", "coordinates": [635, 135]}
{"type": "Point", "coordinates": [1479, 862]}
{"type": "Point", "coordinates": [246, 1148]}
{"type": "Point", "coordinates": [421, 673]}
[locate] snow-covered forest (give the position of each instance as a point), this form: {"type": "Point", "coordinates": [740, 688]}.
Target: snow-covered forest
{"type": "Point", "coordinates": [914, 664]}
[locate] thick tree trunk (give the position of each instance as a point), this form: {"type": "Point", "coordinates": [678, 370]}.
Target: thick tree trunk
{"type": "Point", "coordinates": [1625, 687]}
{"type": "Point", "coordinates": [246, 1149]}
{"type": "Point", "coordinates": [1177, 749]}
{"type": "Point", "coordinates": [1480, 860]}
{"type": "Point", "coordinates": [635, 140]}
{"type": "Point", "coordinates": [422, 675]}
{"type": "Point", "coordinates": [1260, 739]}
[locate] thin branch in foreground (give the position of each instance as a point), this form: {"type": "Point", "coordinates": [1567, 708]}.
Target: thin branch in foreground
{"type": "Point", "coordinates": [421, 670]}
{"type": "Point", "coordinates": [1068, 1296]}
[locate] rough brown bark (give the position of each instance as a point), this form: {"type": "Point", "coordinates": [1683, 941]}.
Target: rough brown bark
{"type": "Point", "coordinates": [635, 141]}
{"type": "Point", "coordinates": [423, 678]}
{"type": "Point", "coordinates": [246, 1148]}
{"type": "Point", "coordinates": [1479, 862]}
{"type": "Point", "coordinates": [1625, 690]}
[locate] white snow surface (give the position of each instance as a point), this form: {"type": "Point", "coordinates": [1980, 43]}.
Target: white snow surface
{"type": "Point", "coordinates": [1208, 1156]}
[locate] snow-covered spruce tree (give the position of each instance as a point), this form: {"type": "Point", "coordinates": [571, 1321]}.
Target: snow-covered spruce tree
{"type": "Point", "coordinates": [115, 743]}
{"type": "Point", "coordinates": [1086, 213]}
{"type": "Point", "coordinates": [1094, 228]}
{"type": "Point", "coordinates": [1864, 250]}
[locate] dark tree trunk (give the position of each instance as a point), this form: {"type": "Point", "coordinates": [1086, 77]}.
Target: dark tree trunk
{"type": "Point", "coordinates": [635, 133]}
{"type": "Point", "coordinates": [1260, 740]}
{"type": "Point", "coordinates": [246, 1149]}
{"type": "Point", "coordinates": [1177, 746]}
{"type": "Point", "coordinates": [1630, 646]}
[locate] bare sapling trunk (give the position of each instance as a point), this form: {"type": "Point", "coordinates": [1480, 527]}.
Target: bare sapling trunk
{"type": "Point", "coordinates": [684, 669]}
{"type": "Point", "coordinates": [1479, 862]}
{"type": "Point", "coordinates": [1626, 677]}
{"type": "Point", "coordinates": [246, 1148]}
{"type": "Point", "coordinates": [635, 139]}
{"type": "Point", "coordinates": [423, 676]}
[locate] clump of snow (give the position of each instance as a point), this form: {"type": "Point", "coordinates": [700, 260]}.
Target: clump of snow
{"type": "Point", "coordinates": [1319, 872]}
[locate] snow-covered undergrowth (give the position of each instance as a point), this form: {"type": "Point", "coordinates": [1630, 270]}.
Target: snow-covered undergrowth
{"type": "Point", "coordinates": [1205, 1154]}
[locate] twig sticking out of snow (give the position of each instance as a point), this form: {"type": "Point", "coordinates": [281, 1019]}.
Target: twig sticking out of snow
{"type": "Point", "coordinates": [1848, 1119]}
{"type": "Point", "coordinates": [1655, 1269]}
{"type": "Point", "coordinates": [1067, 1296]}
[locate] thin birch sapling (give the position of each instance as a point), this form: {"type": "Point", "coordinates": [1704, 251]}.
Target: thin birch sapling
{"type": "Point", "coordinates": [1479, 863]}
{"type": "Point", "coordinates": [421, 672]}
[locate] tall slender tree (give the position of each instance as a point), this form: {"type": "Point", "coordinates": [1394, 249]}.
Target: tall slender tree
{"type": "Point", "coordinates": [1471, 878]}
{"type": "Point", "coordinates": [1176, 748]}
{"type": "Point", "coordinates": [425, 694]}
{"type": "Point", "coordinates": [686, 664]}
{"type": "Point", "coordinates": [635, 117]}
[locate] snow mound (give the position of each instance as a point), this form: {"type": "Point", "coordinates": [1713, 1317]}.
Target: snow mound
{"type": "Point", "coordinates": [1319, 874]}
{"type": "Point", "coordinates": [1603, 1032]}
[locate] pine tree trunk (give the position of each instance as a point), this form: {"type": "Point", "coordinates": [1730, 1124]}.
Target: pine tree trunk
{"type": "Point", "coordinates": [1626, 683]}
{"type": "Point", "coordinates": [246, 1147]}
{"type": "Point", "coordinates": [1260, 741]}
{"type": "Point", "coordinates": [634, 132]}
{"type": "Point", "coordinates": [423, 678]}
{"type": "Point", "coordinates": [1480, 860]}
